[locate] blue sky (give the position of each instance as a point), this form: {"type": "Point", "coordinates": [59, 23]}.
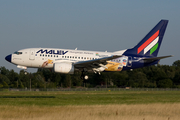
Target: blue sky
{"type": "Point", "coordinates": [97, 25]}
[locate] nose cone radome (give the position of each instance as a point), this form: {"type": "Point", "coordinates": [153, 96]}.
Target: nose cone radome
{"type": "Point", "coordinates": [8, 58]}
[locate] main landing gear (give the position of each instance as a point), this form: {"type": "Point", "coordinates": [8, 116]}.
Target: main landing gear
{"type": "Point", "coordinates": [84, 75]}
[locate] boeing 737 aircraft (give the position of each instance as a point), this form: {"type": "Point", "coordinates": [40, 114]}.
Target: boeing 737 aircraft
{"type": "Point", "coordinates": [67, 61]}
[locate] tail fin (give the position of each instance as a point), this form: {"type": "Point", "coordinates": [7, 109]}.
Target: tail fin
{"type": "Point", "coordinates": [150, 44]}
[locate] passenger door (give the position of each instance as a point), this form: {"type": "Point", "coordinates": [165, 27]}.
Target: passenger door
{"type": "Point", "coordinates": [32, 55]}
{"type": "Point", "coordinates": [129, 61]}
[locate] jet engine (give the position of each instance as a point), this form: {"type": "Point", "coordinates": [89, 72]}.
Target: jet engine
{"type": "Point", "coordinates": [64, 67]}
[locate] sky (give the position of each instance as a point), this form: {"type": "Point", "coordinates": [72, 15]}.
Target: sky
{"type": "Point", "coordinates": [97, 25]}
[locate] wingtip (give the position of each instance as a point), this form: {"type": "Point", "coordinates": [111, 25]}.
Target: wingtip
{"type": "Point", "coordinates": [171, 55]}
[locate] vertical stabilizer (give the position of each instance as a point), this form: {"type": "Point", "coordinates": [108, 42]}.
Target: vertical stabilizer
{"type": "Point", "coordinates": [150, 44]}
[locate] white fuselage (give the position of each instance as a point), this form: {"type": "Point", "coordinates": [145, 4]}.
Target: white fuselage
{"type": "Point", "coordinates": [35, 57]}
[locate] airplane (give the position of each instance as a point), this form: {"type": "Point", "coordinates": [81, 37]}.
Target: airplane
{"type": "Point", "coordinates": [68, 61]}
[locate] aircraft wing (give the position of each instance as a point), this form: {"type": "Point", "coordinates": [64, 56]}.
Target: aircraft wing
{"type": "Point", "coordinates": [156, 58]}
{"type": "Point", "coordinates": [95, 63]}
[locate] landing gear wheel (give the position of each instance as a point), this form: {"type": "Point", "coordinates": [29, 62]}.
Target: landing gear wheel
{"type": "Point", "coordinates": [86, 77]}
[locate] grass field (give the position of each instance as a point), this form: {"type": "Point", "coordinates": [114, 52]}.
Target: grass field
{"type": "Point", "coordinates": [88, 105]}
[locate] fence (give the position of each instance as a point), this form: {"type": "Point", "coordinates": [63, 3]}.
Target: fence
{"type": "Point", "coordinates": [92, 89]}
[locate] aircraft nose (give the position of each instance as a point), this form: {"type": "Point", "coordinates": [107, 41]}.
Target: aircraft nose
{"type": "Point", "coordinates": [8, 58]}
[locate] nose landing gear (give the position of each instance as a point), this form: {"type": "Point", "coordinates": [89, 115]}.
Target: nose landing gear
{"type": "Point", "coordinates": [23, 67]}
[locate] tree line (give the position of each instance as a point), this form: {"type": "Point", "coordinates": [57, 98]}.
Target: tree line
{"type": "Point", "coordinates": [157, 76]}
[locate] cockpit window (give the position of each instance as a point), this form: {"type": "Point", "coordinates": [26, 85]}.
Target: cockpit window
{"type": "Point", "coordinates": [18, 53]}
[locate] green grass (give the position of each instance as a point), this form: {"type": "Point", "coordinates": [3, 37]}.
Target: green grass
{"type": "Point", "coordinates": [62, 98]}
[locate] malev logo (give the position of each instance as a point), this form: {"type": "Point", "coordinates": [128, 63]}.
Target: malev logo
{"type": "Point", "coordinates": [57, 52]}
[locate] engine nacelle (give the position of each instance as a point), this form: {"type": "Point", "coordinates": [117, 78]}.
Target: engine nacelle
{"type": "Point", "coordinates": [64, 67]}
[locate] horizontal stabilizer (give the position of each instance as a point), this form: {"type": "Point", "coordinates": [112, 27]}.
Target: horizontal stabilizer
{"type": "Point", "coordinates": [156, 58]}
